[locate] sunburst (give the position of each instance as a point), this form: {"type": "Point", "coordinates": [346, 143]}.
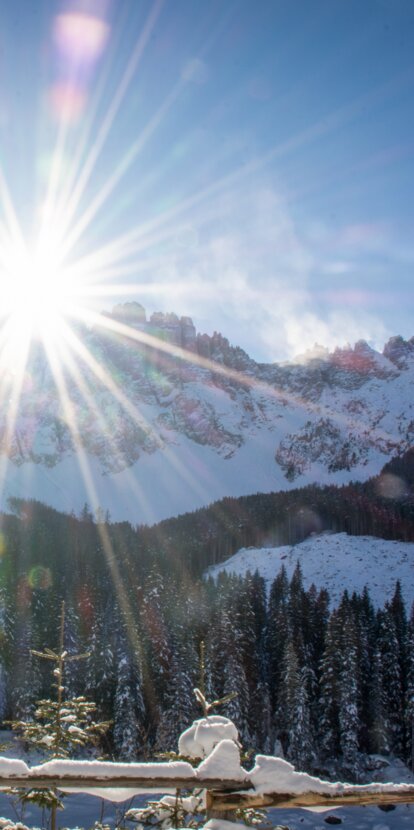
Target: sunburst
{"type": "Point", "coordinates": [52, 281]}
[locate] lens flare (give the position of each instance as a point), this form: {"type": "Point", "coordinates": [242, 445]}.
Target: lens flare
{"type": "Point", "coordinates": [80, 38]}
{"type": "Point", "coordinates": [68, 101]}
{"type": "Point", "coordinates": [390, 486]}
{"type": "Point", "coordinates": [40, 578]}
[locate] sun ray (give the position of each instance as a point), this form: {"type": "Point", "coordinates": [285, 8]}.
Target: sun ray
{"type": "Point", "coordinates": [104, 377]}
{"type": "Point", "coordinates": [81, 175]}
{"type": "Point", "coordinates": [332, 121]}
{"type": "Point", "coordinates": [121, 169]}
{"type": "Point", "coordinates": [130, 408]}
{"type": "Point", "coordinates": [76, 345]}
{"type": "Point", "coordinates": [9, 356]}
{"type": "Point", "coordinates": [90, 486]}
{"type": "Point", "coordinates": [65, 359]}
{"type": "Point", "coordinates": [12, 226]}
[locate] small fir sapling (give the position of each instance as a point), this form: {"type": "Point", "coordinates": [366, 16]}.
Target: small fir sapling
{"type": "Point", "coordinates": [61, 726]}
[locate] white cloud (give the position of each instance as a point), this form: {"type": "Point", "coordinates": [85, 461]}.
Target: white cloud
{"type": "Point", "coordinates": [337, 329]}
{"type": "Point", "coordinates": [250, 273]}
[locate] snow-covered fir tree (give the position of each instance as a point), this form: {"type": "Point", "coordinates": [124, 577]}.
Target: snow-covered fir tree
{"type": "Point", "coordinates": [129, 729]}
{"type": "Point", "coordinates": [293, 719]}
{"type": "Point", "coordinates": [349, 724]}
{"type": "Point", "coordinates": [179, 703]}
{"type": "Point", "coordinates": [391, 680]}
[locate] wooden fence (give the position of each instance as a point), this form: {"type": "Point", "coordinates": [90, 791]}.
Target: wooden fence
{"type": "Point", "coordinates": [224, 795]}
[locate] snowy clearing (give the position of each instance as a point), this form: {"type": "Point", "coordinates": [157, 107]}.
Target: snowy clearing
{"type": "Point", "coordinates": [335, 561]}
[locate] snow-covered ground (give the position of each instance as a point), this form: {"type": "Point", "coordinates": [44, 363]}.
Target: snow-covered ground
{"type": "Point", "coordinates": [83, 811]}
{"type": "Point", "coordinates": [337, 562]}
{"type": "Point", "coordinates": [353, 818]}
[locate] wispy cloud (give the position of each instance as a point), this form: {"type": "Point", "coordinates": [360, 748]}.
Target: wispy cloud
{"type": "Point", "coordinates": [251, 269]}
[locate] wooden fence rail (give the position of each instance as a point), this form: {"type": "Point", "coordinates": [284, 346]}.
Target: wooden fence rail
{"type": "Point", "coordinates": [81, 784]}
{"type": "Point", "coordinates": [223, 802]}
{"type": "Point", "coordinates": [223, 794]}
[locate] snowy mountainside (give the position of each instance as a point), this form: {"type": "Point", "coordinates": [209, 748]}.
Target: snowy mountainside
{"type": "Point", "coordinates": [335, 561]}
{"type": "Point", "coordinates": [167, 435]}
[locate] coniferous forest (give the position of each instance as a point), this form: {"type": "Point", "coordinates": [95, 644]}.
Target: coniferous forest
{"type": "Point", "coordinates": [327, 686]}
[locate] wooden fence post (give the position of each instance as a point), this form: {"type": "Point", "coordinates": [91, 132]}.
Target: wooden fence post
{"type": "Point", "coordinates": [212, 813]}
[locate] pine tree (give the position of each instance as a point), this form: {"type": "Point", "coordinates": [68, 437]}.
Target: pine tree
{"type": "Point", "coordinates": [71, 638]}
{"type": "Point", "coordinates": [379, 727]}
{"type": "Point", "coordinates": [100, 673]}
{"type": "Point", "coordinates": [129, 707]}
{"type": "Point", "coordinates": [364, 617]}
{"type": "Point", "coordinates": [399, 615]}
{"type": "Point", "coordinates": [349, 724]}
{"type": "Point", "coordinates": [26, 675]}
{"type": "Point", "coordinates": [178, 710]}
{"type": "Point", "coordinates": [409, 713]}
{"type": "Point", "coordinates": [329, 742]}
{"type": "Point", "coordinates": [277, 633]}
{"type": "Point", "coordinates": [390, 680]}
{"type": "Point", "coordinates": [156, 642]}
{"type": "Point", "coordinates": [251, 612]}
{"type": "Point", "coordinates": [230, 674]}
{"type": "Point", "coordinates": [293, 715]}
{"type": "Point", "coordinates": [60, 726]}
{"type": "Point", "coordinates": [297, 613]}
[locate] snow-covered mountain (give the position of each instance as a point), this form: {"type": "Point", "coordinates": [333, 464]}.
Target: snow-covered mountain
{"type": "Point", "coordinates": [337, 562]}
{"type": "Point", "coordinates": [149, 435]}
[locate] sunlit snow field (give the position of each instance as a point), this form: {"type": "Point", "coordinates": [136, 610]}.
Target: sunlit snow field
{"type": "Point", "coordinates": [337, 562]}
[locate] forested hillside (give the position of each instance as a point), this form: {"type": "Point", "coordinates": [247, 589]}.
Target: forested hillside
{"type": "Point", "coordinates": [323, 686]}
{"type": "Point", "coordinates": [137, 604]}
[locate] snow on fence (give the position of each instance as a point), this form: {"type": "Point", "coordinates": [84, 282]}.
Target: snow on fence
{"type": "Point", "coordinates": [273, 782]}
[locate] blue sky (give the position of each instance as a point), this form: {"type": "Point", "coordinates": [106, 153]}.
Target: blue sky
{"type": "Point", "coordinates": [258, 153]}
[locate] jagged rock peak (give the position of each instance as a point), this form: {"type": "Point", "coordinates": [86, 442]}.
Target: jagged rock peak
{"type": "Point", "coordinates": [181, 331]}
{"type": "Point", "coordinates": [360, 359]}
{"type": "Point", "coordinates": [397, 350]}
{"type": "Point", "coordinates": [131, 313]}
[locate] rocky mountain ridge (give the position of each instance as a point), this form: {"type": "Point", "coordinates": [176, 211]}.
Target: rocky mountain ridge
{"type": "Point", "coordinates": [178, 430]}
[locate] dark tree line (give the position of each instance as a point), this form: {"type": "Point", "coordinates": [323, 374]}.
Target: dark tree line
{"type": "Point", "coordinates": [325, 687]}
{"type": "Point", "coordinates": [187, 545]}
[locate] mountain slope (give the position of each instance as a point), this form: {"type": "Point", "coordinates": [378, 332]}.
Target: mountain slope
{"type": "Point", "coordinates": [148, 434]}
{"type": "Point", "coordinates": [337, 562]}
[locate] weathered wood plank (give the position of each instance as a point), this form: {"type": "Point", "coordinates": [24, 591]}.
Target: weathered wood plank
{"type": "Point", "coordinates": [234, 801]}
{"type": "Point", "coordinates": [75, 781]}
{"type": "Point", "coordinates": [223, 796]}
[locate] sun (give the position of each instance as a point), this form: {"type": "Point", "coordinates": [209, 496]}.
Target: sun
{"type": "Point", "coordinates": [35, 289]}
